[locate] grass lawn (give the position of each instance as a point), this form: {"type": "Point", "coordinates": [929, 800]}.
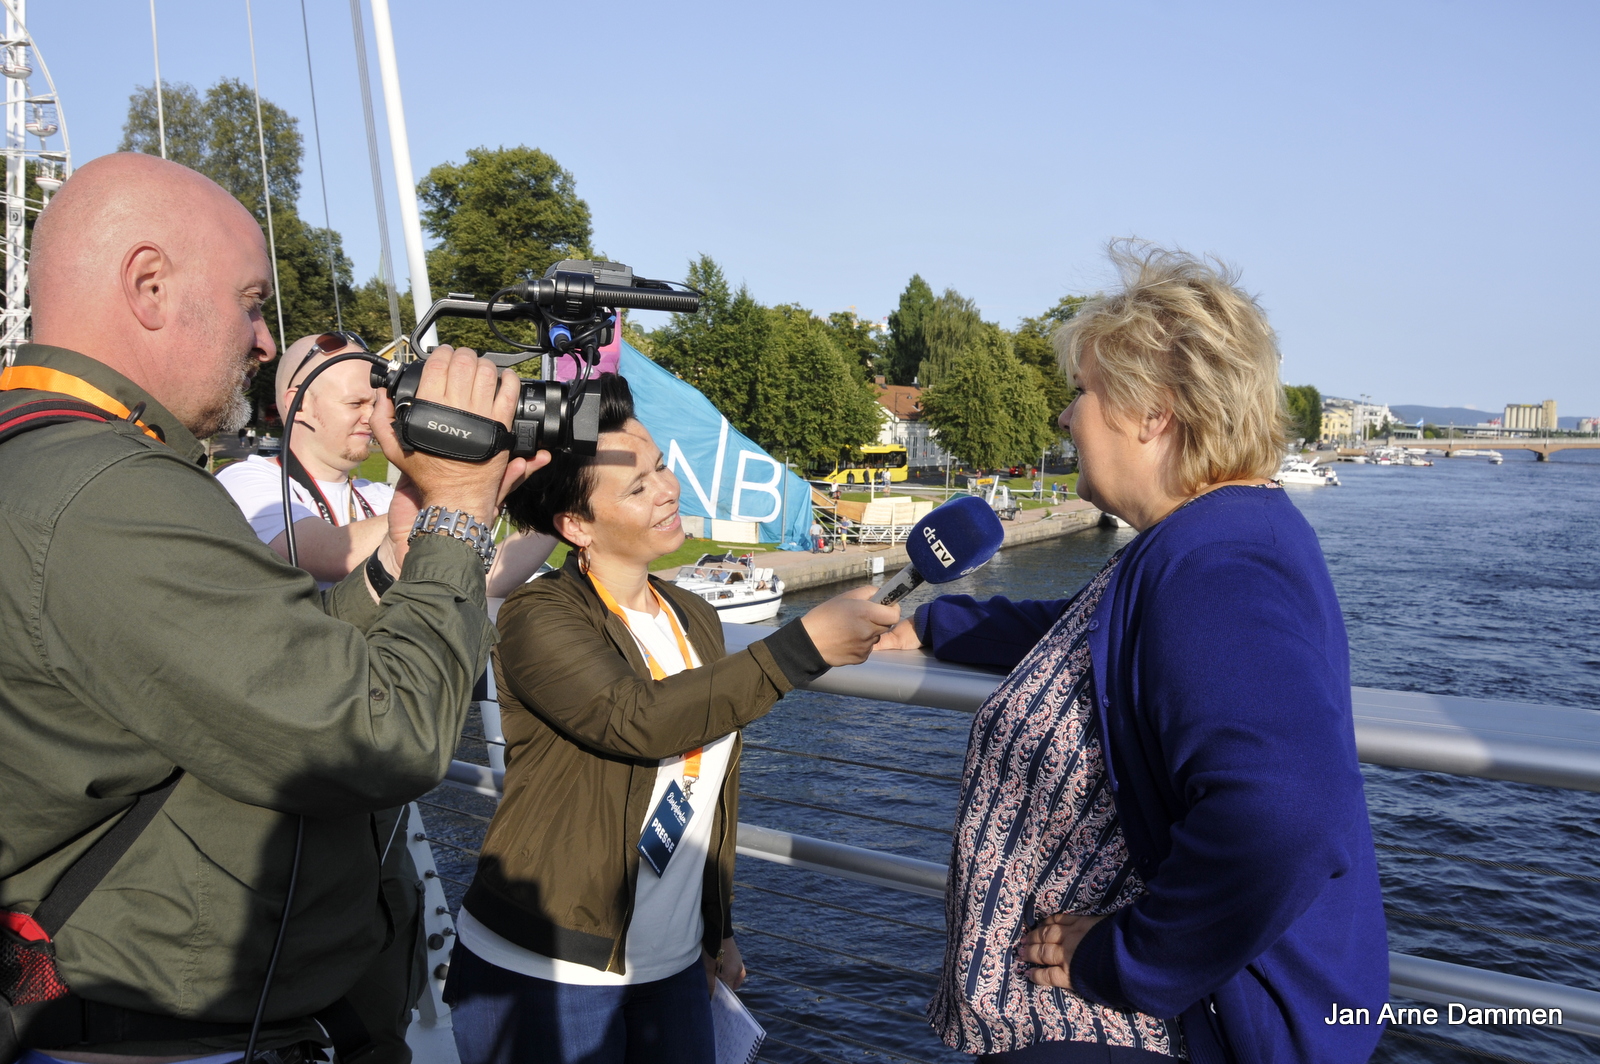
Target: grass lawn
{"type": "Point", "coordinates": [375, 468]}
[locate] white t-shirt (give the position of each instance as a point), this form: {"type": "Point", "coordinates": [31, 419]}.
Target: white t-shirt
{"type": "Point", "coordinates": [256, 484]}
{"type": "Point", "coordinates": [667, 926]}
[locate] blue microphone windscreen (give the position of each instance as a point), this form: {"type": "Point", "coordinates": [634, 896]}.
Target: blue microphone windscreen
{"type": "Point", "coordinates": [955, 539]}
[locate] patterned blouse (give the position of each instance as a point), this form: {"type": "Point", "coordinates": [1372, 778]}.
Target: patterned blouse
{"type": "Point", "coordinates": [1037, 833]}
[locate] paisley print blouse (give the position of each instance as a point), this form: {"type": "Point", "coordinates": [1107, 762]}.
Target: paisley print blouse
{"type": "Point", "coordinates": [1037, 833]}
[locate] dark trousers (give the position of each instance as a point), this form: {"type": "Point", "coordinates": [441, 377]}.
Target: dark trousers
{"type": "Point", "coordinates": [503, 1017]}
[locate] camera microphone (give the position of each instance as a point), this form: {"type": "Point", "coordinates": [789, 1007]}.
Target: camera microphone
{"type": "Point", "coordinates": [950, 542]}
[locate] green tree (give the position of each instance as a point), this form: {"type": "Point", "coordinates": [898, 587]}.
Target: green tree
{"type": "Point", "coordinates": [905, 351]}
{"type": "Point", "coordinates": [778, 374]}
{"type": "Point", "coordinates": [1033, 345]}
{"type": "Point", "coordinates": [216, 135]}
{"type": "Point", "coordinates": [860, 341]}
{"type": "Point", "coordinates": [988, 407]}
{"type": "Point", "coordinates": [1305, 411]}
{"type": "Point", "coordinates": [717, 348]}
{"type": "Point", "coordinates": [503, 216]}
{"type": "Point", "coordinates": [951, 326]}
{"type": "Point", "coordinates": [812, 399]}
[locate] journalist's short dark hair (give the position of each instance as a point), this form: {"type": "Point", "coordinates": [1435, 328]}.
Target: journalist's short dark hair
{"type": "Point", "coordinates": [564, 486]}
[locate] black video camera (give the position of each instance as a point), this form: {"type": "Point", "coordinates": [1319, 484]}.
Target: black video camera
{"type": "Point", "coordinates": [574, 307]}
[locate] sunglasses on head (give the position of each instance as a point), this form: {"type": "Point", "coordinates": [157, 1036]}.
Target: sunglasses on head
{"type": "Point", "coordinates": [326, 343]}
{"type": "Point", "coordinates": [333, 341]}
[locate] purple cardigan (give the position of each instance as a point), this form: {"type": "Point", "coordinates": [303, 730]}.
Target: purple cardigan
{"type": "Point", "coordinates": [1222, 680]}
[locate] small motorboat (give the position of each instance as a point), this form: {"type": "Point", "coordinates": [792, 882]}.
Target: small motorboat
{"type": "Point", "coordinates": [741, 592]}
{"type": "Point", "coordinates": [1295, 471]}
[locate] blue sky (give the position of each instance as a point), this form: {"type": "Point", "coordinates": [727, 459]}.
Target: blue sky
{"type": "Point", "coordinates": [1409, 187]}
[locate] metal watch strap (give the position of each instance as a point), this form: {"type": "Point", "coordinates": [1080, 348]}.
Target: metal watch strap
{"type": "Point", "coordinates": [457, 524]}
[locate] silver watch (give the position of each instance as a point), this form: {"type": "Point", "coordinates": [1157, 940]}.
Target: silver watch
{"type": "Point", "coordinates": [457, 524]}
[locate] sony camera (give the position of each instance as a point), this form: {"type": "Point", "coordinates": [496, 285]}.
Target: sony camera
{"type": "Point", "coordinates": [574, 308]}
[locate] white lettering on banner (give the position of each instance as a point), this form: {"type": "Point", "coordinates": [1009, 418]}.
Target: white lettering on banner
{"type": "Point", "coordinates": [680, 465]}
{"type": "Point", "coordinates": [767, 487]}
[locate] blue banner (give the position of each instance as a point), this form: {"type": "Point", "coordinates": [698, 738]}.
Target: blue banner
{"type": "Point", "coordinates": [724, 475]}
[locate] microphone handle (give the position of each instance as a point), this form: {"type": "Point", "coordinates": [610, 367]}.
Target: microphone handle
{"type": "Point", "coordinates": [905, 581]}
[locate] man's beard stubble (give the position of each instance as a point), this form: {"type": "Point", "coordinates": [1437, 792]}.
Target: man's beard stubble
{"type": "Point", "coordinates": [233, 413]}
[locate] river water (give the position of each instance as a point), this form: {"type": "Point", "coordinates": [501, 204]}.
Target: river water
{"type": "Point", "coordinates": [1461, 579]}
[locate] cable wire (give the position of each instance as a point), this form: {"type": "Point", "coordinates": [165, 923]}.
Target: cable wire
{"type": "Point", "coordinates": [873, 961]}
{"type": "Point", "coordinates": [266, 190]}
{"type": "Point", "coordinates": [844, 997]}
{"type": "Point", "coordinates": [746, 793]}
{"type": "Point", "coordinates": [322, 175]}
{"type": "Point", "coordinates": [277, 945]}
{"type": "Point", "coordinates": [856, 764]}
{"type": "Point", "coordinates": [1487, 863]}
{"type": "Point", "coordinates": [841, 908]}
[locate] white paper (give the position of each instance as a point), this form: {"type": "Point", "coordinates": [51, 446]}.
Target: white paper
{"type": "Point", "coordinates": [739, 1036]}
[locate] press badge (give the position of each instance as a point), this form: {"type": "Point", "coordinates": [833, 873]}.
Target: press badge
{"type": "Point", "coordinates": [665, 828]}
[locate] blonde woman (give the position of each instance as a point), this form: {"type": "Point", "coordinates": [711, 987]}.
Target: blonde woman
{"type": "Point", "coordinates": [1162, 848]}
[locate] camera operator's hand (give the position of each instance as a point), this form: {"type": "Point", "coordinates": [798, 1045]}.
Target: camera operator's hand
{"type": "Point", "coordinates": [846, 627]}
{"type": "Point", "coordinates": [457, 378]}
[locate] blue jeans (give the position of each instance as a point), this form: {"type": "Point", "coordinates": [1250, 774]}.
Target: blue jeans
{"type": "Point", "coordinates": [503, 1017]}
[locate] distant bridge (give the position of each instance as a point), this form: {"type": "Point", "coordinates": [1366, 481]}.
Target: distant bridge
{"type": "Point", "coordinates": [1542, 449]}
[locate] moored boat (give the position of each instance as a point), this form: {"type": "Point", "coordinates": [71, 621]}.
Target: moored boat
{"type": "Point", "coordinates": [741, 592]}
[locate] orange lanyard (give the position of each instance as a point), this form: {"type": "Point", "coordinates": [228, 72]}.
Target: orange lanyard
{"type": "Point", "coordinates": [691, 760]}
{"type": "Point", "coordinates": [44, 379]}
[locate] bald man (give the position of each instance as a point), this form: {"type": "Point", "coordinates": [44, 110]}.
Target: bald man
{"type": "Point", "coordinates": [150, 644]}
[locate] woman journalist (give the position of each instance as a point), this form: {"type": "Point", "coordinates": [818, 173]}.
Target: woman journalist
{"type": "Point", "coordinates": [600, 911]}
{"type": "Point", "coordinates": [1162, 847]}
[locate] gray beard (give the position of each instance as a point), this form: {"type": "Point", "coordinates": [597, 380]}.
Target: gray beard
{"type": "Point", "coordinates": [231, 418]}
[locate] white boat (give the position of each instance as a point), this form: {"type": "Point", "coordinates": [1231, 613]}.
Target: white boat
{"type": "Point", "coordinates": [741, 592]}
{"type": "Point", "coordinates": [1295, 471]}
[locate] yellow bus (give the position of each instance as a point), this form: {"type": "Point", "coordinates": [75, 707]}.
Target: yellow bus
{"type": "Point", "coordinates": [862, 464]}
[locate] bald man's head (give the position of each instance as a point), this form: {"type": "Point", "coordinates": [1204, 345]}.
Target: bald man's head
{"type": "Point", "coordinates": [158, 272]}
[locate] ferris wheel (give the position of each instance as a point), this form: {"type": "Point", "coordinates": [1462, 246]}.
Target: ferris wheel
{"type": "Point", "coordinates": [36, 145]}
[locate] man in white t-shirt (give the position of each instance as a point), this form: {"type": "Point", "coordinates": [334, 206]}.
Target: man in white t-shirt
{"type": "Point", "coordinates": [338, 518]}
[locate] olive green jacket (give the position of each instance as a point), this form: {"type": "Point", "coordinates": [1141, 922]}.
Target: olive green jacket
{"type": "Point", "coordinates": [144, 626]}
{"type": "Point", "coordinates": [585, 729]}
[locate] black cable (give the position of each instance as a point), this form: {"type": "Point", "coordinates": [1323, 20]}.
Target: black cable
{"type": "Point", "coordinates": [277, 947]}
{"type": "Point", "coordinates": [288, 426]}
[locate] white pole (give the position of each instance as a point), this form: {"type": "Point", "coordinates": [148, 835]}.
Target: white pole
{"type": "Point", "coordinates": [16, 314]}
{"type": "Point", "coordinates": [161, 113]}
{"type": "Point", "coordinates": [405, 182]}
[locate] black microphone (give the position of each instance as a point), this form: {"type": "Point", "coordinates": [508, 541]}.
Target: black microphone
{"type": "Point", "coordinates": [950, 542]}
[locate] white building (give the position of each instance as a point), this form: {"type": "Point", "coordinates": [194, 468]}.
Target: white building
{"type": "Point", "coordinates": [903, 425]}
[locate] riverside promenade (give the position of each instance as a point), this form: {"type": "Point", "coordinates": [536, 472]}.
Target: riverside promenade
{"type": "Point", "coordinates": [801, 569]}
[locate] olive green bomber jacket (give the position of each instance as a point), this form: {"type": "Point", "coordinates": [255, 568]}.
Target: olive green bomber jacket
{"type": "Point", "coordinates": [585, 729]}
{"type": "Point", "coordinates": [144, 626]}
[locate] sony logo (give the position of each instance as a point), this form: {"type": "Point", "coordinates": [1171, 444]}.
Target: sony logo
{"type": "Point", "coordinates": [438, 426]}
{"type": "Point", "coordinates": [939, 549]}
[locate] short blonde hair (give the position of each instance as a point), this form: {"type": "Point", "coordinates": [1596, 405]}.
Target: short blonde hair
{"type": "Point", "coordinates": [1181, 335]}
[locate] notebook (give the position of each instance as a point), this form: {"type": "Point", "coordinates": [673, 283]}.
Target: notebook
{"type": "Point", "coordinates": [739, 1036]}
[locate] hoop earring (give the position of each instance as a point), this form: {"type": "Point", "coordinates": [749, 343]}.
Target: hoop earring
{"type": "Point", "coordinates": [583, 560]}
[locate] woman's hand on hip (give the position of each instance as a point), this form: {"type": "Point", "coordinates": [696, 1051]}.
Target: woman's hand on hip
{"type": "Point", "coordinates": [846, 627]}
{"type": "Point", "coordinates": [1050, 946]}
